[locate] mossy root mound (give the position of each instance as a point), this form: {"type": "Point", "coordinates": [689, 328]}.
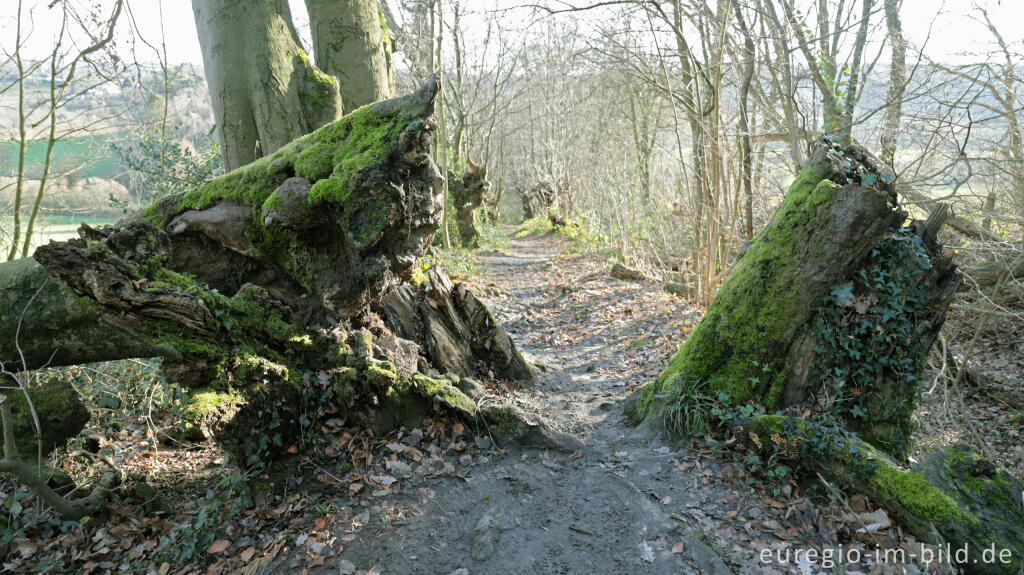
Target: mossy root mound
{"type": "Point", "coordinates": [258, 287]}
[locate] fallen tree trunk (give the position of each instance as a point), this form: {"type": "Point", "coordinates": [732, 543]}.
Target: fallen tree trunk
{"type": "Point", "coordinates": [324, 226]}
{"type": "Point", "coordinates": [256, 288]}
{"type": "Point", "coordinates": [952, 496]}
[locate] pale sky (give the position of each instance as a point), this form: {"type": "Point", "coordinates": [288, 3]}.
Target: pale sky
{"type": "Point", "coordinates": [952, 30]}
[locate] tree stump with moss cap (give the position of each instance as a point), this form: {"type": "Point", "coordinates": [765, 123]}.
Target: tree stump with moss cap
{"type": "Point", "coordinates": [255, 287]}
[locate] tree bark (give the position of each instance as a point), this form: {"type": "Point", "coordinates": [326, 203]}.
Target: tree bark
{"type": "Point", "coordinates": [455, 331]}
{"type": "Point", "coordinates": [351, 43]}
{"type": "Point", "coordinates": [746, 148]}
{"type": "Point", "coordinates": [897, 81]}
{"type": "Point", "coordinates": [264, 90]}
{"type": "Point", "coordinates": [832, 307]}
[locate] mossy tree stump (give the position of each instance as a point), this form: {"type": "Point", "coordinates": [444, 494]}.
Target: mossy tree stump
{"type": "Point", "coordinates": [833, 308]}
{"type": "Point", "coordinates": [467, 196]}
{"type": "Point", "coordinates": [827, 320]}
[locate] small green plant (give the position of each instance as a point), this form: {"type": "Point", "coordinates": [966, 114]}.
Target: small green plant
{"type": "Point", "coordinates": [164, 164]}
{"type": "Point", "coordinates": [492, 237]}
{"type": "Point", "coordinates": [456, 262]}
{"type": "Point", "coordinates": [227, 500]}
{"type": "Point", "coordinates": [688, 408]}
{"type": "Point", "coordinates": [534, 227]}
{"type": "Point", "coordinates": [867, 330]}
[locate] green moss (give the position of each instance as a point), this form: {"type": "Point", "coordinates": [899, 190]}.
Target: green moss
{"type": "Point", "coordinates": [911, 490]}
{"type": "Point", "coordinates": [385, 33]}
{"type": "Point", "coordinates": [60, 411]}
{"type": "Point", "coordinates": [315, 162]}
{"type": "Point", "coordinates": [993, 490]}
{"type": "Point", "coordinates": [758, 298]}
{"type": "Point", "coordinates": [1016, 419]}
{"type": "Point", "coordinates": [202, 403]}
{"type": "Point", "coordinates": [768, 425]}
{"type": "Point", "coordinates": [331, 158]}
{"type": "Point", "coordinates": [381, 374]}
{"type": "Point", "coordinates": [504, 424]}
{"type": "Point", "coordinates": [452, 397]}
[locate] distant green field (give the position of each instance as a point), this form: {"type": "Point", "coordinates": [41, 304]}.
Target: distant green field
{"type": "Point", "coordinates": [49, 228]}
{"type": "Point", "coordinates": [92, 153]}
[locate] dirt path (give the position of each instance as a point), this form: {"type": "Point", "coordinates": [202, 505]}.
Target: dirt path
{"type": "Point", "coordinates": [629, 505]}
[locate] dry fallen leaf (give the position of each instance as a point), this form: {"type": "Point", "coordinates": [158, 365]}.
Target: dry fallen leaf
{"type": "Point", "coordinates": [218, 546]}
{"type": "Point", "coordinates": [382, 480]}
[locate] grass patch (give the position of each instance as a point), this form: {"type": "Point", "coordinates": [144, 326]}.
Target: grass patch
{"type": "Point", "coordinates": [47, 228]}
{"type": "Point", "coordinates": [534, 227]}
{"type": "Point", "coordinates": [491, 236]}
{"type": "Point", "coordinates": [92, 153]}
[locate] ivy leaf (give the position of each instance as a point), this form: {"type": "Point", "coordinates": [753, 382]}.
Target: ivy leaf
{"type": "Point", "coordinates": [843, 294]}
{"type": "Point", "coordinates": [888, 313]}
{"type": "Point", "coordinates": [867, 180]}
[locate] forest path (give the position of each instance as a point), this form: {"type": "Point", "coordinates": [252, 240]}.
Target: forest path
{"type": "Point", "coordinates": [631, 504]}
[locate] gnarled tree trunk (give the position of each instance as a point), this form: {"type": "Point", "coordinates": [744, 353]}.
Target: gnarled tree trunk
{"type": "Point", "coordinates": [467, 195]}
{"type": "Point", "coordinates": [833, 306]}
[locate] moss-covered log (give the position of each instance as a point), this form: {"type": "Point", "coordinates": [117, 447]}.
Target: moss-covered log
{"type": "Point", "coordinates": [952, 496]}
{"type": "Point", "coordinates": [833, 307]}
{"type": "Point", "coordinates": [61, 417]}
{"type": "Point", "coordinates": [323, 227]}
{"type": "Point", "coordinates": [256, 290]}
